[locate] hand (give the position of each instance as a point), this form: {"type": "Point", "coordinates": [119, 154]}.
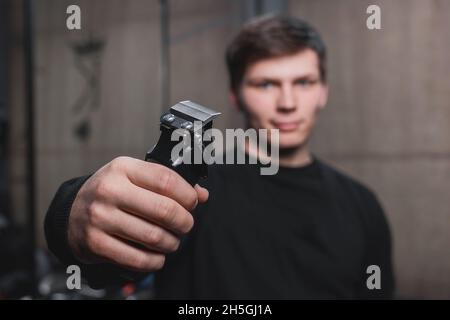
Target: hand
{"type": "Point", "coordinates": [131, 213]}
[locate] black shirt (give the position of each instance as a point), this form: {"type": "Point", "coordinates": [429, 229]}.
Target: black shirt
{"type": "Point", "coordinates": [308, 232]}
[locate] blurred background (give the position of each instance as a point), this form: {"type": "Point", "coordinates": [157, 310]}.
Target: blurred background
{"type": "Point", "coordinates": [71, 100]}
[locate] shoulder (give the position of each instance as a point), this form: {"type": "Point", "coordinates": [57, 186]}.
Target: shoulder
{"type": "Point", "coordinates": [345, 184]}
{"type": "Point", "coordinates": [362, 198]}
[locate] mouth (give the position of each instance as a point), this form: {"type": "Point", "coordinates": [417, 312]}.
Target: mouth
{"type": "Point", "coordinates": [286, 126]}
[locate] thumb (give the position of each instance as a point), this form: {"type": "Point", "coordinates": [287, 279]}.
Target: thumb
{"type": "Point", "coordinates": [202, 193]}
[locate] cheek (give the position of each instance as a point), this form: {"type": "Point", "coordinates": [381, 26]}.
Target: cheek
{"type": "Point", "coordinates": [256, 100]}
{"type": "Point", "coordinates": [258, 105]}
{"type": "Point", "coordinates": [309, 104]}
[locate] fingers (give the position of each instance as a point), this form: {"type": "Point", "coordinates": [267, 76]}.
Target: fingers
{"type": "Point", "coordinates": [155, 208]}
{"type": "Point", "coordinates": [202, 193]}
{"type": "Point", "coordinates": [116, 251]}
{"type": "Point", "coordinates": [130, 213]}
{"type": "Point", "coordinates": [137, 230]}
{"type": "Point", "coordinates": [164, 181]}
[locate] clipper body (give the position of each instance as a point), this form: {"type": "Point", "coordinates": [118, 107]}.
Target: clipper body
{"type": "Point", "coordinates": [191, 119]}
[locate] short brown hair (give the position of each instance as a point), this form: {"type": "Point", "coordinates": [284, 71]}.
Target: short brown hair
{"type": "Point", "coordinates": [268, 37]}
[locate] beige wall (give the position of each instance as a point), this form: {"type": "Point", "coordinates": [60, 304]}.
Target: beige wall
{"type": "Point", "coordinates": [201, 30]}
{"type": "Point", "coordinates": [388, 123]}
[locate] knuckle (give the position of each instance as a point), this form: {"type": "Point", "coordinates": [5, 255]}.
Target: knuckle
{"type": "Point", "coordinates": [155, 236]}
{"type": "Point", "coordinates": [119, 163]}
{"type": "Point", "coordinates": [167, 180]}
{"type": "Point", "coordinates": [166, 210]}
{"type": "Point", "coordinates": [101, 189]}
{"type": "Point", "coordinates": [92, 241]}
{"type": "Point", "coordinates": [95, 214]}
{"type": "Point", "coordinates": [104, 190]}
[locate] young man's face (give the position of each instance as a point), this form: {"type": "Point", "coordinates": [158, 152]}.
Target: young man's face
{"type": "Point", "coordinates": [285, 93]}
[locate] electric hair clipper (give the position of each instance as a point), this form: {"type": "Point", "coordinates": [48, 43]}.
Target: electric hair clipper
{"type": "Point", "coordinates": [185, 123]}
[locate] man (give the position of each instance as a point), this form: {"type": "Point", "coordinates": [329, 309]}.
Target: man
{"type": "Point", "coordinates": [307, 232]}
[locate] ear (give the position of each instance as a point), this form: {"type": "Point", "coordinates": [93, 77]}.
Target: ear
{"type": "Point", "coordinates": [233, 100]}
{"type": "Point", "coordinates": [323, 99]}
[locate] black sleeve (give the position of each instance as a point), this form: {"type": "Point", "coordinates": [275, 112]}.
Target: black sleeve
{"type": "Point", "coordinates": [379, 248]}
{"type": "Point", "coordinates": [57, 218]}
{"type": "Point", "coordinates": [56, 227]}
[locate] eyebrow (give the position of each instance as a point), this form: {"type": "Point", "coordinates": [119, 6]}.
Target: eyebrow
{"type": "Point", "coordinates": [308, 76]}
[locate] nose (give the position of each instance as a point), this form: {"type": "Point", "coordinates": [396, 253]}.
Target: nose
{"type": "Point", "coordinates": [286, 101]}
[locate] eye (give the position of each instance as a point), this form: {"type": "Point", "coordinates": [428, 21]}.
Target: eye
{"type": "Point", "coordinates": [306, 82]}
{"type": "Point", "coordinates": [265, 85]}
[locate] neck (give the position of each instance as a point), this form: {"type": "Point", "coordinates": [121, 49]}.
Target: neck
{"type": "Point", "coordinates": [295, 157]}
{"type": "Point", "coordinates": [290, 157]}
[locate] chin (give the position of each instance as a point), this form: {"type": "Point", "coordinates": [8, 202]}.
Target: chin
{"type": "Point", "coordinates": [292, 141]}
{"type": "Point", "coordinates": [289, 145]}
